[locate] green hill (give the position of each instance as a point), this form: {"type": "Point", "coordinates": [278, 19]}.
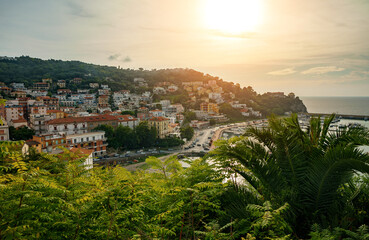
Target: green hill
{"type": "Point", "coordinates": [29, 70]}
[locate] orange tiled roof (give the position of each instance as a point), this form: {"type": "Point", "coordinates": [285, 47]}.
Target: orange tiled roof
{"type": "Point", "coordinates": [54, 111]}
{"type": "Point", "coordinates": [19, 120]}
{"type": "Point", "coordinates": [82, 150]}
{"type": "Point", "coordinates": [158, 119]}
{"type": "Point", "coordinates": [97, 118]}
{"type": "Point", "coordinates": [126, 118]}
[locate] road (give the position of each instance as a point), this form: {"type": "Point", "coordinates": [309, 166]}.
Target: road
{"type": "Point", "coordinates": [202, 138]}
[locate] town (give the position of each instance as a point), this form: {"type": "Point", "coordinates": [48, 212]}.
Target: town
{"type": "Point", "coordinates": [50, 116]}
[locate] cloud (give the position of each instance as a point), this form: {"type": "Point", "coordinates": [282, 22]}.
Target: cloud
{"type": "Point", "coordinates": [127, 59]}
{"type": "Point", "coordinates": [322, 70]}
{"type": "Point", "coordinates": [78, 10]}
{"type": "Point", "coordinates": [114, 57]}
{"type": "Point", "coordinates": [117, 57]}
{"type": "Point", "coordinates": [286, 71]}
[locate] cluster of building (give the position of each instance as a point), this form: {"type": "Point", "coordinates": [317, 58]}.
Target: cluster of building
{"type": "Point", "coordinates": [66, 118]}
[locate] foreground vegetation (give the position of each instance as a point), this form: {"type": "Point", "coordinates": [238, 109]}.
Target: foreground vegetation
{"type": "Point", "coordinates": [286, 184]}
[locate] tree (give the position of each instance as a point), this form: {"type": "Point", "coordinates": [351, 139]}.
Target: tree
{"type": "Point", "coordinates": [21, 133]}
{"type": "Point", "coordinates": [232, 113]}
{"type": "Point", "coordinates": [187, 132]}
{"type": "Point", "coordinates": [125, 138]}
{"type": "Point", "coordinates": [310, 170]}
{"type": "Point", "coordinates": [146, 135]}
{"type": "Point", "coordinates": [189, 116]}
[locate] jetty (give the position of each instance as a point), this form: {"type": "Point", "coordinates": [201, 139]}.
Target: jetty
{"type": "Point", "coordinates": [344, 116]}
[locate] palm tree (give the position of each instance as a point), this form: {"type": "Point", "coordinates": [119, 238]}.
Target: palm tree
{"type": "Point", "coordinates": [307, 168]}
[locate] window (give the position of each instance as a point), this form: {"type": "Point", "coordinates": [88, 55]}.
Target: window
{"type": "Point", "coordinates": [56, 142]}
{"type": "Point", "coordinates": [55, 128]}
{"type": "Point", "coordinates": [75, 140]}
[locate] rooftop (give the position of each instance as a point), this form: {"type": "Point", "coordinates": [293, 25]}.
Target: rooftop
{"type": "Point", "coordinates": [158, 119]}
{"type": "Point", "coordinates": [97, 118]}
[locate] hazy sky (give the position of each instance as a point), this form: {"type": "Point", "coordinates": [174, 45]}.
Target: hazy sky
{"type": "Point", "coordinates": [311, 47]}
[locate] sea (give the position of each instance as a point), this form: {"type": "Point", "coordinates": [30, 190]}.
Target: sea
{"type": "Point", "coordinates": [342, 105]}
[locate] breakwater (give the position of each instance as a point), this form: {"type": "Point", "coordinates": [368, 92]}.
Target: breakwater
{"type": "Point", "coordinates": [344, 116]}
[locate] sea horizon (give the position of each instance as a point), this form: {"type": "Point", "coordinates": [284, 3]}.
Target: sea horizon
{"type": "Point", "coordinates": [355, 105]}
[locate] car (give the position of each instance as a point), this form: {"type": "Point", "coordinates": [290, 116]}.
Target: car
{"type": "Point", "coordinates": [199, 145]}
{"type": "Point", "coordinates": [116, 155]}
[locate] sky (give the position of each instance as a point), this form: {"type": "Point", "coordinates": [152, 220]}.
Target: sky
{"type": "Point", "coordinates": [311, 48]}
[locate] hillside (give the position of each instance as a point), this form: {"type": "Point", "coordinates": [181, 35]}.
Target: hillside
{"type": "Point", "coordinates": [29, 70]}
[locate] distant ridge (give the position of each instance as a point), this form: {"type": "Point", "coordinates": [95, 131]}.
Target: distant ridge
{"type": "Point", "coordinates": [29, 70]}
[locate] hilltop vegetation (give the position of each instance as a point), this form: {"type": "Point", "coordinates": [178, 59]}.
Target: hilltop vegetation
{"type": "Point", "coordinates": [30, 70]}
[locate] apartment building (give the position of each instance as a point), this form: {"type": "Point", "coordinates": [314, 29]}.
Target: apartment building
{"type": "Point", "coordinates": [161, 124]}
{"type": "Point", "coordinates": [79, 125]}
{"type": "Point", "coordinates": [209, 107]}
{"type": "Point", "coordinates": [94, 141]}
{"type": "Point", "coordinates": [41, 86]}
{"type": "Point", "coordinates": [128, 121]}
{"type": "Point", "coordinates": [4, 130]}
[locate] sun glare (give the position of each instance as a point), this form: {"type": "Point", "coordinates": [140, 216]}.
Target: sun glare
{"type": "Point", "coordinates": [233, 16]}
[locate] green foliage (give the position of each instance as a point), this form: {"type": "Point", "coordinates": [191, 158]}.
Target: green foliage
{"type": "Point", "coordinates": [232, 113]}
{"type": "Point", "coordinates": [187, 132]}
{"type": "Point", "coordinates": [311, 170]}
{"type": "Point", "coordinates": [189, 116]}
{"type": "Point", "coordinates": [54, 197]}
{"type": "Point", "coordinates": [142, 136]}
{"type": "Point", "coordinates": [269, 223]}
{"type": "Point", "coordinates": [317, 233]}
{"type": "Point", "coordinates": [21, 133]}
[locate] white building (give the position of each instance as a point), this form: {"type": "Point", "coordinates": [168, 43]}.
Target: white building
{"type": "Point", "coordinates": [159, 90]}
{"type": "Point", "coordinates": [18, 86]}
{"type": "Point", "coordinates": [67, 126]}
{"type": "Point", "coordinates": [95, 141]}
{"type": "Point", "coordinates": [128, 121]}
{"type": "Point", "coordinates": [157, 113]}
{"type": "Point", "coordinates": [94, 85]}
{"type": "Point", "coordinates": [165, 103]}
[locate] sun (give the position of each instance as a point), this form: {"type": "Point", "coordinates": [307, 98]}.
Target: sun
{"type": "Point", "coordinates": [233, 16]}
